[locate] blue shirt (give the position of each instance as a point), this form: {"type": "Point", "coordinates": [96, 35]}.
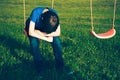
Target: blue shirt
{"type": "Point", "coordinates": [36, 16]}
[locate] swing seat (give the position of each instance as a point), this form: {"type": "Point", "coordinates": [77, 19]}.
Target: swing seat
{"type": "Point", "coordinates": [25, 32]}
{"type": "Point", "coordinates": [105, 35]}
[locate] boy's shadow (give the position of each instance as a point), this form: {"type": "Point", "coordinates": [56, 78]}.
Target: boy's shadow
{"type": "Point", "coordinates": [21, 65]}
{"type": "Point", "coordinates": [11, 44]}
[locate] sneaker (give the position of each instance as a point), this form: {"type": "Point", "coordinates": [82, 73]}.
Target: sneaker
{"type": "Point", "coordinates": [39, 77]}
{"type": "Point", "coordinates": [68, 71]}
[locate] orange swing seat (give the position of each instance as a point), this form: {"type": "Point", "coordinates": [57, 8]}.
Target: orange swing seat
{"type": "Point", "coordinates": [105, 35]}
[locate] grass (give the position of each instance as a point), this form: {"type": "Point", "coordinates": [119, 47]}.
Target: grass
{"type": "Point", "coordinates": [89, 57]}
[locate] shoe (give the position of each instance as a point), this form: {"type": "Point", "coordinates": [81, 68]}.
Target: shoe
{"type": "Point", "coordinates": [39, 77]}
{"type": "Point", "coordinates": [68, 71]}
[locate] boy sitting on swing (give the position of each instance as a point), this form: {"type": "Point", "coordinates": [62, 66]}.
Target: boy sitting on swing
{"type": "Point", "coordinates": [43, 24]}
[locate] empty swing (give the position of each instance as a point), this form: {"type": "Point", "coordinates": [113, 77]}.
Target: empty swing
{"type": "Point", "coordinates": [108, 34]}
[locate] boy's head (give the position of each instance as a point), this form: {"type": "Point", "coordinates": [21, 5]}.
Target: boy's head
{"type": "Point", "coordinates": [50, 21]}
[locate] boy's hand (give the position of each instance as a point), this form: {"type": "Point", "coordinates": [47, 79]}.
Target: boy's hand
{"type": "Point", "coordinates": [49, 39]}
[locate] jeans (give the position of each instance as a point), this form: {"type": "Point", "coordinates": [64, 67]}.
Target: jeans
{"type": "Point", "coordinates": [38, 59]}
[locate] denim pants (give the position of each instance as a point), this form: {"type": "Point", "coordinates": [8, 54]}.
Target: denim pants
{"type": "Point", "coordinates": [38, 59]}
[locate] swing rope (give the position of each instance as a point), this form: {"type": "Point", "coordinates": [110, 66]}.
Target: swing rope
{"type": "Point", "coordinates": [108, 34]}
{"type": "Point", "coordinates": [52, 3]}
{"type": "Point", "coordinates": [114, 14]}
{"type": "Point", "coordinates": [91, 15]}
{"type": "Point", "coordinates": [24, 12]}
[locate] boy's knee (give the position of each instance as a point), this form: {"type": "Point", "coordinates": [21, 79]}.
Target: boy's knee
{"type": "Point", "coordinates": [56, 40]}
{"type": "Point", "coordinates": [34, 42]}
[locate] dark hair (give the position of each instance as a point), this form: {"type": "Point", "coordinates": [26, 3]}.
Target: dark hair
{"type": "Point", "coordinates": [50, 21]}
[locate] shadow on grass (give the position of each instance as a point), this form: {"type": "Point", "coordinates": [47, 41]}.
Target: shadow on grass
{"type": "Point", "coordinates": [24, 70]}
{"type": "Point", "coordinates": [11, 44]}
{"type": "Point", "coordinates": [16, 71]}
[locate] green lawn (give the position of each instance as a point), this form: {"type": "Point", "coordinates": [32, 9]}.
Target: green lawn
{"type": "Point", "coordinates": [89, 57]}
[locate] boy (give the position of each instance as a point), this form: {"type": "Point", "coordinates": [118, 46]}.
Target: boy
{"type": "Point", "coordinates": [43, 24]}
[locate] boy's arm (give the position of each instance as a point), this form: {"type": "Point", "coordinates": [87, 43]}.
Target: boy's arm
{"type": "Point", "coordinates": [34, 33]}
{"type": "Point", "coordinates": [40, 33]}
{"type": "Point", "coordinates": [55, 33]}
